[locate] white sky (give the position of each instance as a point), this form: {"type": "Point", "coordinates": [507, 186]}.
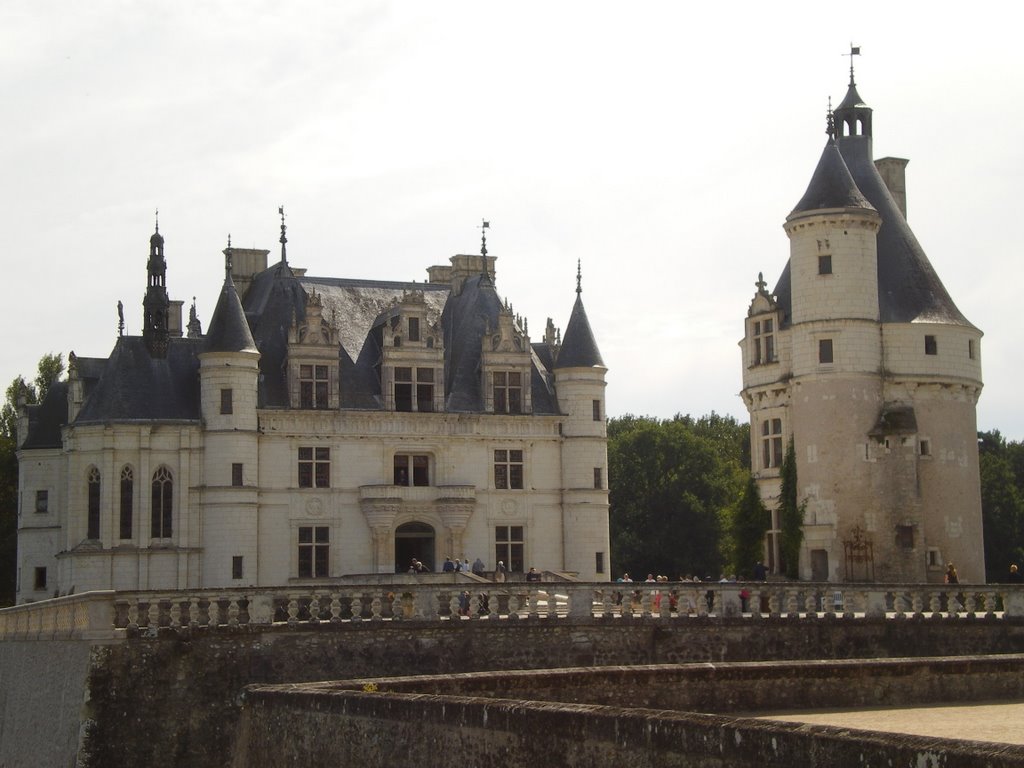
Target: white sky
{"type": "Point", "coordinates": [663, 143]}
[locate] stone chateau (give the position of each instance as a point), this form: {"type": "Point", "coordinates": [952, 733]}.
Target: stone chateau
{"type": "Point", "coordinates": [321, 427]}
{"type": "Point", "coordinates": [861, 358]}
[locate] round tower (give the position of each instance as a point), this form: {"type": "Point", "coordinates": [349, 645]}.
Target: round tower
{"type": "Point", "coordinates": [229, 376]}
{"type": "Point", "coordinates": [580, 385]}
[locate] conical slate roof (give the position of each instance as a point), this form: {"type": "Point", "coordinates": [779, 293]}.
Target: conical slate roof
{"type": "Point", "coordinates": [909, 290]}
{"type": "Point", "coordinates": [579, 347]}
{"type": "Point", "coordinates": [831, 186]}
{"type": "Point", "coordinates": [229, 330]}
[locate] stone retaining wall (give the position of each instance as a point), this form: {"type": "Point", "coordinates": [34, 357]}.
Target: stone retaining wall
{"type": "Point", "coordinates": [173, 697]}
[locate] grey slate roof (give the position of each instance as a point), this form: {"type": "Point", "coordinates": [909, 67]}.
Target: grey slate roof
{"type": "Point", "coordinates": [136, 386]}
{"type": "Point", "coordinates": [579, 347]}
{"type": "Point", "coordinates": [831, 185]}
{"type": "Point", "coordinates": [229, 330]}
{"type": "Point", "coordinates": [46, 419]}
{"type": "Point", "coordinates": [909, 290]}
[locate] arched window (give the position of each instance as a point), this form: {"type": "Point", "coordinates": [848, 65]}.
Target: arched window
{"type": "Point", "coordinates": [93, 518]}
{"type": "Point", "coordinates": [127, 488]}
{"type": "Point", "coordinates": [163, 487]}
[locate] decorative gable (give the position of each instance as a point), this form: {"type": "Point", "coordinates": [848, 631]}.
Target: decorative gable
{"type": "Point", "coordinates": [412, 356]}
{"type": "Point", "coordinates": [312, 361]}
{"type": "Point", "coordinates": [506, 364]}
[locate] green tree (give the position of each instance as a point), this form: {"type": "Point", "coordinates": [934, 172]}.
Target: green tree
{"type": "Point", "coordinates": [791, 516]}
{"type": "Point", "coordinates": [749, 522]}
{"type": "Point", "coordinates": [671, 483]}
{"type": "Point", "coordinates": [1002, 503]}
{"type": "Point", "coordinates": [48, 371]}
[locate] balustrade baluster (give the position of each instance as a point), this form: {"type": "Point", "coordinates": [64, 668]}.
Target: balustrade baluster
{"type": "Point", "coordinates": [357, 608]}
{"type": "Point", "coordinates": [293, 609]}
{"type": "Point", "coordinates": [133, 614]}
{"type": "Point", "coordinates": [175, 614]}
{"type": "Point", "coordinates": [232, 611]}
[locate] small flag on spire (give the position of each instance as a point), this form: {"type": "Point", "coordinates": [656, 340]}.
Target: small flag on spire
{"type": "Point", "coordinates": [855, 50]}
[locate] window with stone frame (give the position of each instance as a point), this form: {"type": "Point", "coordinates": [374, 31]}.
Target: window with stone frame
{"type": "Point", "coordinates": [825, 264]}
{"type": "Point", "coordinates": [314, 551]}
{"type": "Point", "coordinates": [93, 505]}
{"type": "Point", "coordinates": [42, 502]}
{"type": "Point", "coordinates": [509, 546]}
{"type": "Point", "coordinates": [598, 478]}
{"type": "Point", "coordinates": [508, 469]}
{"type": "Point", "coordinates": [236, 474]}
{"type": "Point", "coordinates": [508, 391]}
{"type": "Point", "coordinates": [237, 569]}
{"type": "Point", "coordinates": [162, 504]}
{"type": "Point", "coordinates": [414, 329]}
{"type": "Point", "coordinates": [905, 536]}
{"type": "Point", "coordinates": [314, 386]}
{"type": "Point", "coordinates": [425, 390]}
{"type": "Point", "coordinates": [40, 579]}
{"type": "Point", "coordinates": [596, 407]}
{"type": "Point", "coordinates": [825, 351]}
{"type": "Point", "coordinates": [314, 467]}
{"type": "Point", "coordinates": [771, 443]}
{"type": "Point", "coordinates": [763, 338]}
{"type": "Point", "coordinates": [931, 345]}
{"type": "Point", "coordinates": [126, 511]}
{"type": "Point", "coordinates": [411, 469]}
{"type": "Point", "coordinates": [226, 405]}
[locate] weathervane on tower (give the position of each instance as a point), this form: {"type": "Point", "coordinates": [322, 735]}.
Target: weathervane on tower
{"type": "Point", "coordinates": [854, 51]}
{"type": "Point", "coordinates": [284, 239]}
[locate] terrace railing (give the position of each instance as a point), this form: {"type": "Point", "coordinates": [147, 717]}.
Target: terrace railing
{"type": "Point", "coordinates": [110, 615]}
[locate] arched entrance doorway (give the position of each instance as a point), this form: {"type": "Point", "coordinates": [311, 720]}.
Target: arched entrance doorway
{"type": "Point", "coordinates": [414, 540]}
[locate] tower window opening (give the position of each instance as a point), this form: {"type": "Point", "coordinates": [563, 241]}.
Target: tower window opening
{"type": "Point", "coordinates": [825, 351]}
{"type": "Point", "coordinates": [825, 264]}
{"type": "Point", "coordinates": [931, 345]}
{"type": "Point", "coordinates": [764, 341]}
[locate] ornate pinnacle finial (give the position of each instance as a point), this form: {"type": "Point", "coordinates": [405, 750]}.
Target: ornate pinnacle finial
{"type": "Point", "coordinates": [761, 284]}
{"type": "Point", "coordinates": [158, 221]}
{"type": "Point", "coordinates": [284, 239]}
{"type": "Point", "coordinates": [227, 259]}
{"type": "Point", "coordinates": [120, 318]}
{"type": "Point", "coordinates": [579, 277]}
{"type": "Point", "coordinates": [484, 226]}
{"type": "Point", "coordinates": [830, 121]}
{"type": "Point", "coordinates": [854, 51]}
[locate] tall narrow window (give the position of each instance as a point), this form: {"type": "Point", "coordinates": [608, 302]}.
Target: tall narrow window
{"type": "Point", "coordinates": [771, 443]}
{"type": "Point", "coordinates": [598, 478]}
{"type": "Point", "coordinates": [314, 390]}
{"type": "Point", "coordinates": [508, 469]}
{"type": "Point", "coordinates": [236, 475]}
{"type": "Point", "coordinates": [931, 345]}
{"type": "Point", "coordinates": [414, 329]}
{"type": "Point", "coordinates": [226, 406]}
{"type": "Point", "coordinates": [412, 470]}
{"type": "Point", "coordinates": [42, 502]}
{"type": "Point", "coordinates": [127, 495]}
{"type": "Point", "coordinates": [597, 410]}
{"type": "Point", "coordinates": [508, 547]}
{"type": "Point", "coordinates": [314, 551]}
{"type": "Point", "coordinates": [403, 389]}
{"type": "Point", "coordinates": [825, 351]}
{"type": "Point", "coordinates": [236, 567]}
{"type": "Point", "coordinates": [970, 349]}
{"type": "Point", "coordinates": [424, 390]}
{"type": "Point", "coordinates": [93, 518]}
{"type": "Point", "coordinates": [508, 392]}
{"type": "Point", "coordinates": [825, 264]}
{"type": "Point", "coordinates": [40, 581]}
{"type": "Point", "coordinates": [314, 467]}
{"type": "Point", "coordinates": [599, 562]}
{"type": "Point", "coordinates": [163, 492]}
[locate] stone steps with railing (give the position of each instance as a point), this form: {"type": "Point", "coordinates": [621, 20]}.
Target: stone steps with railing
{"type": "Point", "coordinates": [110, 615]}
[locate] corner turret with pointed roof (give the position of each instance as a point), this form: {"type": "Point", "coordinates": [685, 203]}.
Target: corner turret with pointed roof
{"type": "Point", "coordinates": [229, 330]}
{"type": "Point", "coordinates": [579, 347]}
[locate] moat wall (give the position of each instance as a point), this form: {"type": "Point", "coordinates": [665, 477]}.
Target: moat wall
{"type": "Point", "coordinates": [175, 697]}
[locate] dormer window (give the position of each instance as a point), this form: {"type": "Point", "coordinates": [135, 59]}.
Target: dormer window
{"type": "Point", "coordinates": [414, 329]}
{"type": "Point", "coordinates": [764, 341]}
{"type": "Point", "coordinates": [406, 388]}
{"type": "Point", "coordinates": [314, 386]}
{"type": "Point", "coordinates": [508, 392]}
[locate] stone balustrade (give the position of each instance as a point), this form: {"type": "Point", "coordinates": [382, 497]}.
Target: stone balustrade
{"type": "Point", "coordinates": [108, 614]}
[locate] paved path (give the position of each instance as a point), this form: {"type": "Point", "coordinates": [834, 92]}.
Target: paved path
{"type": "Point", "coordinates": [985, 721]}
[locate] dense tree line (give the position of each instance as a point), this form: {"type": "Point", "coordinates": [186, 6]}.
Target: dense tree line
{"type": "Point", "coordinates": [680, 495]}
{"type": "Point", "coordinates": [1002, 503]}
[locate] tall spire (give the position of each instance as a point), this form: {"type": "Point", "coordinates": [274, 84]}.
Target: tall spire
{"type": "Point", "coordinates": [156, 304]}
{"type": "Point", "coordinates": [579, 277]}
{"type": "Point", "coordinates": [284, 239]}
{"type": "Point", "coordinates": [484, 226]}
{"type": "Point", "coordinates": [830, 121]}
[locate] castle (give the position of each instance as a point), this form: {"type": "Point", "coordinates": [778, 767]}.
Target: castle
{"type": "Point", "coordinates": [861, 358]}
{"type": "Point", "coordinates": [321, 427]}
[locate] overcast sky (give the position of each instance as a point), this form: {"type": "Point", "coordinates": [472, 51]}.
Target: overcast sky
{"type": "Point", "coordinates": [661, 143]}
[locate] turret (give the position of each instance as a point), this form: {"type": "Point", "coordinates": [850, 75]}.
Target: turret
{"type": "Point", "coordinates": [229, 373]}
{"type": "Point", "coordinates": [580, 383]}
